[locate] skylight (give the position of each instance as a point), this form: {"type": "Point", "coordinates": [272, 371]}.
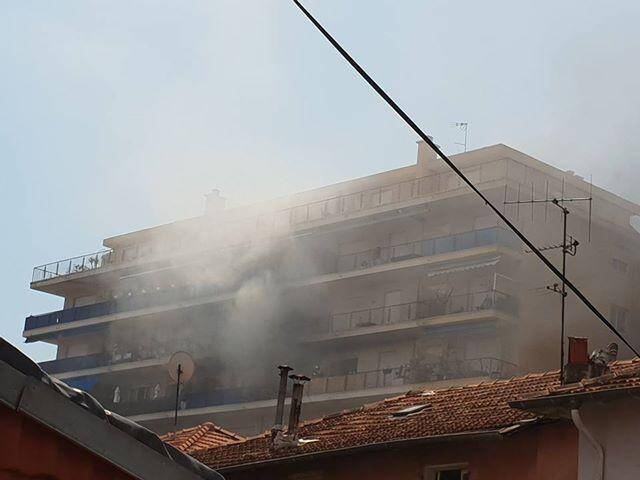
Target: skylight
{"type": "Point", "coordinates": [405, 412]}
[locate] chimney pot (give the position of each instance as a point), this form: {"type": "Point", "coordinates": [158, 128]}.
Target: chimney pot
{"type": "Point", "coordinates": [578, 351]}
{"type": "Point", "coordinates": [282, 394]}
{"type": "Point", "coordinates": [296, 403]}
{"type": "Point", "coordinates": [578, 364]}
{"type": "Point", "coordinates": [214, 202]}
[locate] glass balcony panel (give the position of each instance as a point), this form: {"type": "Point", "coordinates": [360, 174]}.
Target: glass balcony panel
{"type": "Point", "coordinates": [486, 236]}
{"type": "Point", "coordinates": [443, 245]}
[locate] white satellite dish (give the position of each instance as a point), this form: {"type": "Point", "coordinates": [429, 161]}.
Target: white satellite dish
{"type": "Point", "coordinates": [181, 367]}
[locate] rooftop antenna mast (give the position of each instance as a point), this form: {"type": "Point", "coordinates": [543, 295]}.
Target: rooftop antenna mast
{"type": "Point", "coordinates": [569, 246]}
{"type": "Point", "coordinates": [463, 126]}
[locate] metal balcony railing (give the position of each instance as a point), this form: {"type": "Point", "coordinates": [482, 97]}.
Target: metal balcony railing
{"type": "Point", "coordinates": [384, 195]}
{"type": "Point", "coordinates": [394, 253]}
{"type": "Point", "coordinates": [125, 304]}
{"type": "Point", "coordinates": [416, 371]}
{"type": "Point", "coordinates": [412, 311]}
{"type": "Point", "coordinates": [104, 359]}
{"type": "Point", "coordinates": [68, 266]}
{"type": "Point", "coordinates": [70, 364]}
{"type": "Point", "coordinates": [340, 206]}
{"type": "Point", "coordinates": [425, 248]}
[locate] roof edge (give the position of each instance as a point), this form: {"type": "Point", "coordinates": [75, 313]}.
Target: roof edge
{"type": "Point", "coordinates": [470, 435]}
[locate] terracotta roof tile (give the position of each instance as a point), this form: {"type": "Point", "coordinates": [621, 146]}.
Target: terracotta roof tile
{"type": "Point", "coordinates": [202, 437]}
{"type": "Point", "coordinates": [467, 409]}
{"type": "Point", "coordinates": [624, 374]}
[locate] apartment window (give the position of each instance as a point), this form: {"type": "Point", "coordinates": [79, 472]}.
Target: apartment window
{"type": "Point", "coordinates": [448, 472]}
{"type": "Point", "coordinates": [619, 265]}
{"type": "Point", "coordinates": [619, 317]}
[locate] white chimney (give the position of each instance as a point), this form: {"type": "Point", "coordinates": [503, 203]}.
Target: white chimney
{"type": "Point", "coordinates": [213, 202]}
{"type": "Point", "coordinates": [428, 161]}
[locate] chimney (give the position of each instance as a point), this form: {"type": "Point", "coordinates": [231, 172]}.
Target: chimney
{"type": "Point", "coordinates": [282, 394]}
{"type": "Point", "coordinates": [213, 202]}
{"type": "Point", "coordinates": [428, 161]}
{"type": "Point", "coordinates": [577, 366]}
{"type": "Point", "coordinates": [296, 404]}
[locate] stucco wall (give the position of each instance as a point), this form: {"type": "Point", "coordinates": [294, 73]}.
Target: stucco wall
{"type": "Point", "coordinates": [616, 427]}
{"type": "Point", "coordinates": [547, 452]}
{"type": "Point", "coordinates": [31, 451]}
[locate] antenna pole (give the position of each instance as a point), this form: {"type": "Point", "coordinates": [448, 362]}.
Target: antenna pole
{"type": "Point", "coordinates": [563, 290]}
{"type": "Point", "coordinates": [175, 416]}
{"type": "Point", "coordinates": [568, 247]}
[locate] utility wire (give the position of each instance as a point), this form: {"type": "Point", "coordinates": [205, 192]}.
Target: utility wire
{"type": "Point", "coordinates": [458, 172]}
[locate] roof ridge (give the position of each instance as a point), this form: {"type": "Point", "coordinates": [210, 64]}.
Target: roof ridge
{"type": "Point", "coordinates": [201, 432]}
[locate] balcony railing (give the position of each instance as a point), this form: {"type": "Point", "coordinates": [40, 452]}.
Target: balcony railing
{"type": "Point", "coordinates": [384, 195]}
{"type": "Point", "coordinates": [425, 248]}
{"type": "Point", "coordinates": [412, 311]}
{"type": "Point", "coordinates": [368, 258]}
{"type": "Point", "coordinates": [340, 206]}
{"type": "Point", "coordinates": [68, 266]}
{"type": "Point", "coordinates": [415, 372]}
{"type": "Point", "coordinates": [125, 304]}
{"type": "Point", "coordinates": [70, 364]}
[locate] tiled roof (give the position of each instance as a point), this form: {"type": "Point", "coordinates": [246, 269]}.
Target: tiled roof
{"type": "Point", "coordinates": [623, 375]}
{"type": "Point", "coordinates": [457, 410]}
{"type": "Point", "coordinates": [202, 437]}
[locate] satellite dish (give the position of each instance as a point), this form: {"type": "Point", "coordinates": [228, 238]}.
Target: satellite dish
{"type": "Point", "coordinates": [181, 367]}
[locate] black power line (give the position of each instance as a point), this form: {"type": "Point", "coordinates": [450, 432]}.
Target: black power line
{"type": "Point", "coordinates": [458, 172]}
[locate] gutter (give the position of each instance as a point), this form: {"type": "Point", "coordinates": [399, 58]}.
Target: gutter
{"type": "Point", "coordinates": [582, 428]}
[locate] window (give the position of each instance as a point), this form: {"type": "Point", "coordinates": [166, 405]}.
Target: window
{"type": "Point", "coordinates": [448, 472]}
{"type": "Point", "coordinates": [619, 316]}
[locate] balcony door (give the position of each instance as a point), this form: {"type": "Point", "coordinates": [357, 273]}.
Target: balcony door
{"type": "Point", "coordinates": [393, 310]}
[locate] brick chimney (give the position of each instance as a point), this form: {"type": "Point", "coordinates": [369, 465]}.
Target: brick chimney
{"type": "Point", "coordinates": [577, 366]}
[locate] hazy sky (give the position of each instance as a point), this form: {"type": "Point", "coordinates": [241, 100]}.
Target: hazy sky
{"type": "Point", "coordinates": [120, 115]}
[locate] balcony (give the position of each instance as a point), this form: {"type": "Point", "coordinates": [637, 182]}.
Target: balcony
{"type": "Point", "coordinates": [373, 199]}
{"type": "Point", "coordinates": [121, 305]}
{"type": "Point", "coordinates": [194, 399]}
{"type": "Point", "coordinates": [61, 365]}
{"type": "Point", "coordinates": [414, 311]}
{"type": "Point", "coordinates": [417, 371]}
{"type": "Point", "coordinates": [353, 262]}
{"type": "Point", "coordinates": [282, 221]}
{"type": "Point", "coordinates": [425, 248]}
{"type": "Point", "coordinates": [105, 361]}
{"type": "Point", "coordinates": [68, 266]}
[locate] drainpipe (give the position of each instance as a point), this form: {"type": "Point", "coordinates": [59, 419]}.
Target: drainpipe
{"type": "Point", "coordinates": [577, 421]}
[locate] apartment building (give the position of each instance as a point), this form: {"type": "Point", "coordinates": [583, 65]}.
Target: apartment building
{"type": "Point", "coordinates": [371, 287]}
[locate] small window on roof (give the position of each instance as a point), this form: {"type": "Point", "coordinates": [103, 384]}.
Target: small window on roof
{"type": "Point", "coordinates": [405, 412]}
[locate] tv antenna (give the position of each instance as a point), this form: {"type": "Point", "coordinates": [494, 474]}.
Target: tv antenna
{"type": "Point", "coordinates": [463, 126]}
{"type": "Point", "coordinates": [181, 368]}
{"type": "Point", "coordinates": [569, 246]}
